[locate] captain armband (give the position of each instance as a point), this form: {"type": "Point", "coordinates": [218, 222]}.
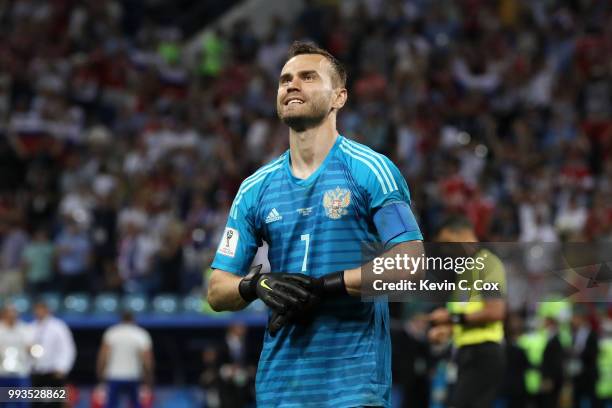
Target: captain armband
{"type": "Point", "coordinates": [393, 220]}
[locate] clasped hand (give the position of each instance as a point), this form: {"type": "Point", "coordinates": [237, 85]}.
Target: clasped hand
{"type": "Point", "coordinates": [290, 296]}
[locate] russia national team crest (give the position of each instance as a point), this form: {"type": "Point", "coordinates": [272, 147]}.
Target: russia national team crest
{"type": "Point", "coordinates": [335, 202]}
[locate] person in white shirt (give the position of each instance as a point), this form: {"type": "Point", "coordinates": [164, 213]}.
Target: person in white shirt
{"type": "Point", "coordinates": [15, 342]}
{"type": "Point", "coordinates": [53, 350]}
{"type": "Point", "coordinates": [125, 361]}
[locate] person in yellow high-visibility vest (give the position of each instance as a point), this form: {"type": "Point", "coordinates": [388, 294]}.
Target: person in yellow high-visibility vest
{"type": "Point", "coordinates": [533, 344]}
{"type": "Point", "coordinates": [476, 325]}
{"type": "Point", "coordinates": [603, 387]}
{"type": "Point", "coordinates": [544, 348]}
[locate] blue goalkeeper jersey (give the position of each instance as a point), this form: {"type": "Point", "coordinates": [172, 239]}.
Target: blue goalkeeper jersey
{"type": "Point", "coordinates": [315, 226]}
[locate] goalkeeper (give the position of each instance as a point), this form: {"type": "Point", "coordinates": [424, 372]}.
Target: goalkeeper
{"type": "Point", "coordinates": [315, 205]}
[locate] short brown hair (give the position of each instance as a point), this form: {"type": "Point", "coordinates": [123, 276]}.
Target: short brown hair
{"type": "Point", "coordinates": [308, 47]}
{"type": "Point", "coordinates": [454, 223]}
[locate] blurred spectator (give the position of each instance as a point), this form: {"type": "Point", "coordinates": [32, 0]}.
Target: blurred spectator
{"type": "Point", "coordinates": [104, 242]}
{"type": "Point", "coordinates": [583, 359]}
{"type": "Point", "coordinates": [553, 362]}
{"type": "Point", "coordinates": [125, 361]}
{"type": "Point", "coordinates": [170, 260]}
{"type": "Point", "coordinates": [513, 390]}
{"type": "Point", "coordinates": [236, 345]}
{"type": "Point", "coordinates": [571, 219]}
{"type": "Point", "coordinates": [604, 360]}
{"type": "Point", "coordinates": [38, 262]}
{"type": "Point", "coordinates": [53, 350]}
{"type": "Point", "coordinates": [210, 379]}
{"type": "Point", "coordinates": [73, 254]}
{"type": "Point", "coordinates": [599, 221]}
{"type": "Point", "coordinates": [412, 361]}
{"type": "Point", "coordinates": [538, 230]}
{"type": "Point", "coordinates": [15, 342]}
{"type": "Point", "coordinates": [136, 251]}
{"type": "Point", "coordinates": [13, 244]}
{"type": "Point", "coordinates": [229, 374]}
{"type": "Point", "coordinates": [505, 225]}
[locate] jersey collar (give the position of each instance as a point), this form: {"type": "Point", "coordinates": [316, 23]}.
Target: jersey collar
{"type": "Point", "coordinates": [308, 181]}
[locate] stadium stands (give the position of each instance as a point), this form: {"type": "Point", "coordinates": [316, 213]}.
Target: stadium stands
{"type": "Point", "coordinates": [116, 135]}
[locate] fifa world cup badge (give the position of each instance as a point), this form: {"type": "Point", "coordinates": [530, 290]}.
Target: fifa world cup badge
{"type": "Point", "coordinates": [228, 245]}
{"type": "Point", "coordinates": [229, 234]}
{"type": "Point", "coordinates": [335, 202]}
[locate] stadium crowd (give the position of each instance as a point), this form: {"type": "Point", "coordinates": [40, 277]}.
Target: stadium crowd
{"type": "Point", "coordinates": [120, 152]}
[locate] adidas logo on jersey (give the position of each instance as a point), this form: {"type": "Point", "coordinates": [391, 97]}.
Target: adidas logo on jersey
{"type": "Point", "coordinates": [273, 216]}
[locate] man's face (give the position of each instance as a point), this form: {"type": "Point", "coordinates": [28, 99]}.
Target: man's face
{"type": "Point", "coordinates": [305, 91]}
{"type": "Point", "coordinates": [10, 314]}
{"type": "Point", "coordinates": [40, 311]}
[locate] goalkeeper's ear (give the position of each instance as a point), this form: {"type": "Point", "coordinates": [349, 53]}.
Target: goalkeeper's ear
{"type": "Point", "coordinates": [339, 98]}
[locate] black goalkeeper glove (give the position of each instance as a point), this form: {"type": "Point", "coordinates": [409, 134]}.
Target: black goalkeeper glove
{"type": "Point", "coordinates": [326, 287]}
{"type": "Point", "coordinates": [275, 290]}
{"type": "Point", "coordinates": [331, 285]}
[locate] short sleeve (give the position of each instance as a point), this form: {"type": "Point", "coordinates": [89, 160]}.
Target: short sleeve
{"type": "Point", "coordinates": [239, 241]}
{"type": "Point", "coordinates": [145, 341]}
{"type": "Point", "coordinates": [106, 337]}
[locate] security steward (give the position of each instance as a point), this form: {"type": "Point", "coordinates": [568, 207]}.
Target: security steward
{"type": "Point", "coordinates": [474, 320]}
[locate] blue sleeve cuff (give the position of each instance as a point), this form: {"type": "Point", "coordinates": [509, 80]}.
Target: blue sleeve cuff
{"type": "Point", "coordinates": [407, 236]}
{"type": "Point", "coordinates": [236, 270]}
